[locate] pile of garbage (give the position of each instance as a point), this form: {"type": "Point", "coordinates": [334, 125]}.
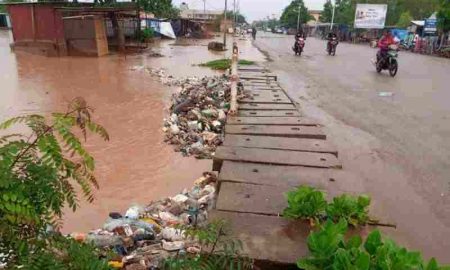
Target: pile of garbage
{"type": "Point", "coordinates": [145, 237]}
{"type": "Point", "coordinates": [198, 115]}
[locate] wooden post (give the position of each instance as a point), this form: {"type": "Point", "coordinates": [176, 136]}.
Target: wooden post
{"type": "Point", "coordinates": [234, 80]}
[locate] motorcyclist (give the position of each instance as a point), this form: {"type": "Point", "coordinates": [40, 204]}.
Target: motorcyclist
{"type": "Point", "coordinates": [330, 37]}
{"type": "Point", "coordinates": [299, 36]}
{"type": "Point", "coordinates": [386, 40]}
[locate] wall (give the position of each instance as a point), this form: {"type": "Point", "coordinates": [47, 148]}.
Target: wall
{"type": "Point", "coordinates": [37, 28]}
{"type": "Point", "coordinates": [86, 36]}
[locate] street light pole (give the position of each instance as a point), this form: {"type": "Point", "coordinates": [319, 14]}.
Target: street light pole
{"type": "Point", "coordinates": [298, 18]}
{"type": "Point", "coordinates": [332, 15]}
{"type": "Point", "coordinates": [225, 25]}
{"type": "Point", "coordinates": [204, 7]}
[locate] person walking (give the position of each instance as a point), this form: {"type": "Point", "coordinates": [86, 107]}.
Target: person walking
{"type": "Point", "coordinates": [254, 33]}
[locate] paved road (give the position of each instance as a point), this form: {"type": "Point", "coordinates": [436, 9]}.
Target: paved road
{"type": "Point", "coordinates": [400, 145]}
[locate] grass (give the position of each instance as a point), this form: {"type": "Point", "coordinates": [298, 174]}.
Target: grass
{"type": "Point", "coordinates": [224, 64]}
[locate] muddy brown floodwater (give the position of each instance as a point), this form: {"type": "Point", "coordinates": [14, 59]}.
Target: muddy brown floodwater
{"type": "Point", "coordinates": [136, 166]}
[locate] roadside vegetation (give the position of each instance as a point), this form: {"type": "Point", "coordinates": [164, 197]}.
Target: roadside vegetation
{"type": "Point", "coordinates": [330, 248]}
{"type": "Point", "coordinates": [224, 64]}
{"type": "Point", "coordinates": [39, 174]}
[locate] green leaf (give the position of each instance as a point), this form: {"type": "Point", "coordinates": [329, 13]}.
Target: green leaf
{"type": "Point", "coordinates": [324, 242]}
{"type": "Point", "coordinates": [373, 242]}
{"type": "Point", "coordinates": [305, 202]}
{"type": "Point", "coordinates": [354, 242]}
{"type": "Point", "coordinates": [363, 261]}
{"type": "Point", "coordinates": [307, 264]}
{"type": "Point", "coordinates": [364, 200]}
{"type": "Point", "coordinates": [342, 260]}
{"type": "Point", "coordinates": [432, 265]}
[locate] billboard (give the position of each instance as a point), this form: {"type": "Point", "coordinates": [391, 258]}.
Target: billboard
{"type": "Point", "coordinates": [370, 16]}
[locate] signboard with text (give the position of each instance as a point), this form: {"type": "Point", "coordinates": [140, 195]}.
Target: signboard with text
{"type": "Point", "coordinates": [430, 26]}
{"type": "Point", "coordinates": [370, 16]}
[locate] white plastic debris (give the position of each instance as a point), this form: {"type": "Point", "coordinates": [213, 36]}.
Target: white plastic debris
{"type": "Point", "coordinates": [172, 246]}
{"type": "Point", "coordinates": [180, 198]}
{"type": "Point", "coordinates": [172, 234]}
{"type": "Point", "coordinates": [132, 212]}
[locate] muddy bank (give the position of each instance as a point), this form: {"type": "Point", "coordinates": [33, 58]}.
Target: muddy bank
{"type": "Point", "coordinates": [136, 166]}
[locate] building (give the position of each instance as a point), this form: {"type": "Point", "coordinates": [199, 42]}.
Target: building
{"type": "Point", "coordinates": [62, 28]}
{"type": "Point", "coordinates": [200, 15]}
{"type": "Point", "coordinates": [315, 14]}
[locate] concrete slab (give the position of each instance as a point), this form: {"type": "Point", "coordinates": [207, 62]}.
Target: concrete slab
{"type": "Point", "coordinates": [260, 233]}
{"type": "Point", "coordinates": [266, 99]}
{"type": "Point", "coordinates": [256, 113]}
{"type": "Point", "coordinates": [275, 157]}
{"type": "Point", "coordinates": [278, 121]}
{"type": "Point", "coordinates": [289, 176]}
{"type": "Point", "coordinates": [272, 239]}
{"type": "Point", "coordinates": [260, 106]}
{"type": "Point", "coordinates": [266, 94]}
{"type": "Point", "coordinates": [248, 198]}
{"type": "Point", "coordinates": [292, 144]}
{"type": "Point", "coordinates": [257, 77]}
{"type": "Point", "coordinates": [266, 91]}
{"type": "Point", "coordinates": [277, 131]}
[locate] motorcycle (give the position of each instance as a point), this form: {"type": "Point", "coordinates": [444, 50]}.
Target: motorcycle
{"type": "Point", "coordinates": [298, 46]}
{"type": "Point", "coordinates": [389, 61]}
{"type": "Point", "coordinates": [332, 44]}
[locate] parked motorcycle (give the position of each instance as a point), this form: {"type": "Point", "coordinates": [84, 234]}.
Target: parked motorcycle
{"type": "Point", "coordinates": [298, 46]}
{"type": "Point", "coordinates": [332, 44]}
{"type": "Point", "coordinates": [389, 61]}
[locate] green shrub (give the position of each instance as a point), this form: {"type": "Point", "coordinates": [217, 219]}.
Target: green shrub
{"type": "Point", "coordinates": [305, 202]}
{"type": "Point", "coordinates": [38, 174]}
{"type": "Point", "coordinates": [309, 203]}
{"type": "Point", "coordinates": [329, 250]}
{"type": "Point", "coordinates": [353, 209]}
{"type": "Point", "coordinates": [224, 64]}
{"type": "Point", "coordinates": [147, 33]}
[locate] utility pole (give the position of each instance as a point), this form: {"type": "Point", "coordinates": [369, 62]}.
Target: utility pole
{"type": "Point", "coordinates": [332, 15]}
{"type": "Point", "coordinates": [204, 7]}
{"type": "Point", "coordinates": [234, 19]}
{"type": "Point", "coordinates": [298, 18]}
{"type": "Point", "coordinates": [225, 25]}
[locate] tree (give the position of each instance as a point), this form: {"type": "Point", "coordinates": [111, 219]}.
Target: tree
{"type": "Point", "coordinates": [290, 14]}
{"type": "Point", "coordinates": [443, 16]}
{"type": "Point", "coordinates": [38, 173]}
{"type": "Point", "coordinates": [161, 8]}
{"type": "Point", "coordinates": [327, 12]}
{"type": "Point", "coordinates": [405, 19]}
{"type": "Point", "coordinates": [230, 16]}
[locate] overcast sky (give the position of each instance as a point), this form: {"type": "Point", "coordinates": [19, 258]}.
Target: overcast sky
{"type": "Point", "coordinates": [252, 9]}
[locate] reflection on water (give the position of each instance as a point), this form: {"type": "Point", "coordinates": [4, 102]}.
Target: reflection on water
{"type": "Point", "coordinates": [135, 166]}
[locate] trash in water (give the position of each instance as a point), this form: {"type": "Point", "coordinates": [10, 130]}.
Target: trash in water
{"type": "Point", "coordinates": [145, 237]}
{"type": "Point", "coordinates": [198, 113]}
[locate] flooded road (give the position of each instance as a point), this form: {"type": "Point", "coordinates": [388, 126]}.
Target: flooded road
{"type": "Point", "coordinates": [399, 145]}
{"type": "Point", "coordinates": [135, 166]}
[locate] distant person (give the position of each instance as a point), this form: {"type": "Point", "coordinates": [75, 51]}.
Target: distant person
{"type": "Point", "coordinates": [254, 33]}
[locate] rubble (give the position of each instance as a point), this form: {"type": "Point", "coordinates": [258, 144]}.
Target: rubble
{"type": "Point", "coordinates": [145, 237]}
{"type": "Point", "coordinates": [198, 114]}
